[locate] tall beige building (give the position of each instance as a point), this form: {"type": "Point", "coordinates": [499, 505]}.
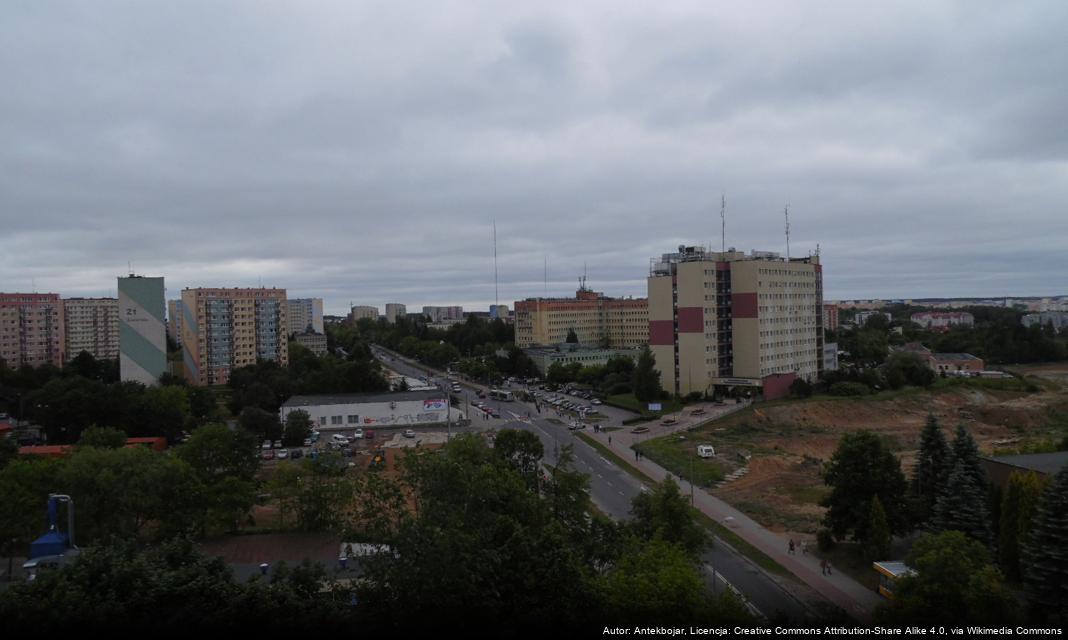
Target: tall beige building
{"type": "Point", "coordinates": [229, 328]}
{"type": "Point", "coordinates": [395, 310]}
{"type": "Point", "coordinates": [304, 313]}
{"type": "Point", "coordinates": [359, 313]}
{"type": "Point", "coordinates": [31, 329]}
{"type": "Point", "coordinates": [92, 325]}
{"type": "Point", "coordinates": [595, 319]}
{"type": "Point", "coordinates": [719, 320]}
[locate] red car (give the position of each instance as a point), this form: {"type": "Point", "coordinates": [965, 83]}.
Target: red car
{"type": "Point", "coordinates": [369, 434]}
{"type": "Point", "coordinates": [268, 455]}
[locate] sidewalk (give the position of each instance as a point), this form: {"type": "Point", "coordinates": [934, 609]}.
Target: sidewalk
{"type": "Point", "coordinates": [853, 597]}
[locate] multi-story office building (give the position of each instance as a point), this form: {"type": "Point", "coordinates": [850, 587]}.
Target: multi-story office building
{"type": "Point", "coordinates": [142, 329]}
{"type": "Point", "coordinates": [360, 312]}
{"type": "Point", "coordinates": [230, 328]}
{"type": "Point", "coordinates": [443, 314]}
{"type": "Point", "coordinates": [719, 320]}
{"type": "Point", "coordinates": [174, 320]}
{"type": "Point", "coordinates": [595, 319]}
{"type": "Point", "coordinates": [91, 325]}
{"type": "Point", "coordinates": [395, 310]}
{"type": "Point", "coordinates": [305, 313]}
{"type": "Point", "coordinates": [31, 329]}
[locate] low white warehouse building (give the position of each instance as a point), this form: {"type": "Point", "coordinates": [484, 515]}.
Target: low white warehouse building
{"type": "Point", "coordinates": [374, 410]}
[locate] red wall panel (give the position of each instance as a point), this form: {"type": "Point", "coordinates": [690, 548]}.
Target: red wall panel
{"type": "Point", "coordinates": [691, 320]}
{"type": "Point", "coordinates": [661, 332]}
{"type": "Point", "coordinates": [744, 305]}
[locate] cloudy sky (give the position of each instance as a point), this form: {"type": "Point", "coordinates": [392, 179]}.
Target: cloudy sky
{"type": "Point", "coordinates": [361, 152]}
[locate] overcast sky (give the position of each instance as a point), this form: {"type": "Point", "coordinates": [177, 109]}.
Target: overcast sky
{"type": "Point", "coordinates": [360, 152]}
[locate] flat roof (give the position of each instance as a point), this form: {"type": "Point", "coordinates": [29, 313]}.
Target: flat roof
{"type": "Point", "coordinates": [1049, 463]}
{"type": "Point", "coordinates": [894, 568]}
{"type": "Point", "coordinates": [359, 398]}
{"type": "Point", "coordinates": [953, 356]}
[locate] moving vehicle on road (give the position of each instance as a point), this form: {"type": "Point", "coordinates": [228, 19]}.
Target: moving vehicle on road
{"type": "Point", "coordinates": [501, 394]}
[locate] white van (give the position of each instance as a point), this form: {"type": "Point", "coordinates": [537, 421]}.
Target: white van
{"type": "Point", "coordinates": [337, 438]}
{"type": "Point", "coordinates": [706, 451]}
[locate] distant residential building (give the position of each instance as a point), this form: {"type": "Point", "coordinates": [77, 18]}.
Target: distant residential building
{"type": "Point", "coordinates": [91, 325]}
{"type": "Point", "coordinates": [943, 320]}
{"type": "Point", "coordinates": [830, 317]}
{"type": "Point", "coordinates": [830, 356]}
{"type": "Point", "coordinates": [444, 324]}
{"type": "Point", "coordinates": [620, 323]}
{"type": "Point", "coordinates": [956, 363]}
{"type": "Point", "coordinates": [142, 329]}
{"type": "Point", "coordinates": [1059, 319]}
{"type": "Point", "coordinates": [442, 314]}
{"type": "Point", "coordinates": [315, 342]}
{"type": "Point", "coordinates": [304, 313]}
{"type": "Point", "coordinates": [721, 320]}
{"type": "Point", "coordinates": [175, 310]}
{"type": "Point", "coordinates": [498, 311]}
{"type": "Point", "coordinates": [230, 328]}
{"type": "Point", "coordinates": [31, 329]}
{"type": "Point", "coordinates": [862, 317]}
{"type": "Point", "coordinates": [395, 310]}
{"type": "Point", "coordinates": [360, 312]}
{"type": "Point", "coordinates": [565, 354]}
{"type": "Point", "coordinates": [333, 319]}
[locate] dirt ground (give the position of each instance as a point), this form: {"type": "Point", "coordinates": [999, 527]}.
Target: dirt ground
{"type": "Point", "coordinates": [789, 441]}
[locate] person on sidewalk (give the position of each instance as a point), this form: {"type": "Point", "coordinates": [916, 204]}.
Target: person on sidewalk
{"type": "Point", "coordinates": [804, 547]}
{"type": "Point", "coordinates": [791, 546]}
{"type": "Point", "coordinates": [829, 572]}
{"type": "Point", "coordinates": [823, 566]}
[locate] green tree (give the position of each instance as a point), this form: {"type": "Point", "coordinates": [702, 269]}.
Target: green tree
{"type": "Point", "coordinates": [962, 506]}
{"type": "Point", "coordinates": [1018, 506]}
{"type": "Point", "coordinates": [163, 411]}
{"type": "Point", "coordinates": [954, 584]}
{"type": "Point", "coordinates": [646, 380]}
{"type": "Point", "coordinates": [877, 545]}
{"type": "Point", "coordinates": [966, 452]}
{"type": "Point", "coordinates": [297, 429]}
{"type": "Point", "coordinates": [572, 337]}
{"type": "Point", "coordinates": [103, 437]}
{"type": "Point", "coordinates": [931, 471]}
{"type": "Point", "coordinates": [1045, 556]}
{"type": "Point", "coordinates": [226, 463]}
{"type": "Point", "coordinates": [665, 514]}
{"type": "Point", "coordinates": [862, 468]}
{"type": "Point", "coordinates": [262, 423]}
{"type": "Point", "coordinates": [24, 487]}
{"type": "Point", "coordinates": [523, 451]}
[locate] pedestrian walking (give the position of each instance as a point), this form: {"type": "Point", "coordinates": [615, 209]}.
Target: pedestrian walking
{"type": "Point", "coordinates": [609, 440]}
{"type": "Point", "coordinates": [829, 572]}
{"type": "Point", "coordinates": [791, 546]}
{"type": "Point", "coordinates": [823, 566]}
{"type": "Point", "coordinates": [635, 454]}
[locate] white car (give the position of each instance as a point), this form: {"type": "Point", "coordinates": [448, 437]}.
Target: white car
{"type": "Point", "coordinates": [266, 445]}
{"type": "Point", "coordinates": [595, 401]}
{"type": "Point", "coordinates": [283, 454]}
{"type": "Point", "coordinates": [358, 434]}
{"type": "Point", "coordinates": [408, 433]}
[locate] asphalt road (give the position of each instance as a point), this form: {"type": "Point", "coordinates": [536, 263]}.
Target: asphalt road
{"type": "Point", "coordinates": [612, 489]}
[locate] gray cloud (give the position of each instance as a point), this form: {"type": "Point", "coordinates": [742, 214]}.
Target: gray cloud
{"type": "Point", "coordinates": [361, 152]}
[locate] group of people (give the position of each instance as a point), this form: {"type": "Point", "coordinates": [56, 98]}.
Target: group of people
{"type": "Point", "coordinates": [825, 565]}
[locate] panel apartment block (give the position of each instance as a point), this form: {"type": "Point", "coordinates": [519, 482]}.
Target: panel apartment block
{"type": "Point", "coordinates": [304, 313]}
{"type": "Point", "coordinates": [31, 329]}
{"type": "Point", "coordinates": [229, 328]}
{"type": "Point", "coordinates": [91, 325]}
{"type": "Point", "coordinates": [142, 329]}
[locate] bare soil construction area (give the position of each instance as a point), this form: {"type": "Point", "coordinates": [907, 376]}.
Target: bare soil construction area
{"type": "Point", "coordinates": [785, 443]}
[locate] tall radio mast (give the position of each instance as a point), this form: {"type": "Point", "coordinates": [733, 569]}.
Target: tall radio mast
{"type": "Point", "coordinates": [786, 212]}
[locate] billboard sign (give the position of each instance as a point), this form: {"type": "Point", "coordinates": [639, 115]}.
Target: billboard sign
{"type": "Point", "coordinates": [655, 406]}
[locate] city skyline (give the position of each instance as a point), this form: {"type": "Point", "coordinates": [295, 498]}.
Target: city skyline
{"type": "Point", "coordinates": [363, 152]}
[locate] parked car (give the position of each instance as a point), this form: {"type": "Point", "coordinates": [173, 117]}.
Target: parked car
{"type": "Point", "coordinates": [358, 434]}
{"type": "Point", "coordinates": [266, 445]}
{"type": "Point", "coordinates": [576, 426]}
{"type": "Point", "coordinates": [408, 433]}
{"type": "Point", "coordinates": [307, 442]}
{"type": "Point", "coordinates": [296, 454]}
{"type": "Point", "coordinates": [338, 439]}
{"type": "Point", "coordinates": [706, 451]}
{"type": "Point", "coordinates": [369, 434]}
{"type": "Point", "coordinates": [596, 401]}
{"type": "Point", "coordinates": [268, 455]}
{"type": "Point", "coordinates": [283, 454]}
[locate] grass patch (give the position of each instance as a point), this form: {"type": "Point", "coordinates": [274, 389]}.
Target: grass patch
{"type": "Point", "coordinates": [630, 403]}
{"type": "Point", "coordinates": [808, 495]}
{"type": "Point", "coordinates": [680, 457]}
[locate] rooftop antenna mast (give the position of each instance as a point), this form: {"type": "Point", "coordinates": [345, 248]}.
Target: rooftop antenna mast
{"type": "Point", "coordinates": [723, 221]}
{"type": "Point", "coordinates": [496, 292]}
{"type": "Point", "coordinates": [786, 212]}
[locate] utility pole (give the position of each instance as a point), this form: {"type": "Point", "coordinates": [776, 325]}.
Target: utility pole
{"type": "Point", "coordinates": [723, 222]}
{"type": "Point", "coordinates": [786, 212]}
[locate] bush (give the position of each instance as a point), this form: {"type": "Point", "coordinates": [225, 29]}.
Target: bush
{"type": "Point", "coordinates": [824, 540]}
{"type": "Point", "coordinates": [849, 389]}
{"type": "Point", "coordinates": [800, 389]}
